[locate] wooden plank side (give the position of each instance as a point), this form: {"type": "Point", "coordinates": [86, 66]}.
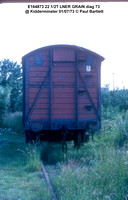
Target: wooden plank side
{"type": "Point", "coordinates": [41, 100]}
{"type": "Point", "coordinates": [85, 111]}
{"type": "Point", "coordinates": [62, 101]}
{"type": "Point", "coordinates": [81, 55]}
{"type": "Point", "coordinates": [87, 116]}
{"type": "Point", "coordinates": [92, 90]}
{"type": "Point", "coordinates": [39, 116]}
{"type": "Point", "coordinates": [84, 96]}
{"type": "Point", "coordinates": [36, 89]}
{"type": "Point", "coordinates": [63, 54]}
{"type": "Point", "coordinates": [89, 76]}
{"type": "Point", "coordinates": [39, 83]}
{"type": "Point", "coordinates": [37, 74]}
{"type": "Point", "coordinates": [63, 106]}
{"type": "Point", "coordinates": [39, 111]}
{"type": "Point", "coordinates": [63, 75]}
{"type": "Point", "coordinates": [61, 70]}
{"type": "Point", "coordinates": [88, 84]}
{"type": "Point", "coordinates": [42, 95]}
{"type": "Point", "coordinates": [41, 106]}
{"type": "Point", "coordinates": [36, 68]}
{"type": "Point", "coordinates": [89, 79]}
{"type": "Point", "coordinates": [64, 65]}
{"type": "Point", "coordinates": [61, 84]}
{"type": "Point", "coordinates": [63, 111]}
{"type": "Point", "coordinates": [63, 95]}
{"type": "Point", "coordinates": [63, 116]}
{"type": "Point", "coordinates": [38, 79]}
{"type": "Point", "coordinates": [54, 106]}
{"type": "Point", "coordinates": [67, 90]}
{"type": "Point", "coordinates": [86, 102]}
{"type": "Point", "coordinates": [63, 80]}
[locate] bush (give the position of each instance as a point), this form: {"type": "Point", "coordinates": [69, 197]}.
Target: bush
{"type": "Point", "coordinates": [116, 99]}
{"type": "Point", "coordinates": [11, 78]}
{"type": "Point", "coordinates": [13, 121]}
{"type": "Point", "coordinates": [4, 102]}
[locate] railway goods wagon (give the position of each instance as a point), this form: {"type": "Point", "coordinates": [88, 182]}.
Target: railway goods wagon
{"type": "Point", "coordinates": [61, 93]}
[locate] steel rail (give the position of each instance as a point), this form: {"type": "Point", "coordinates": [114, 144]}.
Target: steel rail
{"type": "Point", "coordinates": [48, 181]}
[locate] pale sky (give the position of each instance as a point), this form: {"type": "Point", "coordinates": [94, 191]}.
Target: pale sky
{"type": "Point", "coordinates": [104, 33]}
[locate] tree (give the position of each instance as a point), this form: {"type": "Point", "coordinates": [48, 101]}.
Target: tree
{"type": "Point", "coordinates": [3, 102]}
{"type": "Point", "coordinates": [117, 99]}
{"type": "Point", "coordinates": [11, 78]}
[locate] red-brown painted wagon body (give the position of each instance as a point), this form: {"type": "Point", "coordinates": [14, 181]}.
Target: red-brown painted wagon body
{"type": "Point", "coordinates": [61, 92]}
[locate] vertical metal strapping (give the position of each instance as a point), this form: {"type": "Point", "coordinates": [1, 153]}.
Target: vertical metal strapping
{"type": "Point", "coordinates": [26, 96]}
{"type": "Point", "coordinates": [76, 87]}
{"type": "Point", "coordinates": [23, 82]}
{"type": "Point", "coordinates": [50, 88]}
{"type": "Point", "coordinates": [99, 89]}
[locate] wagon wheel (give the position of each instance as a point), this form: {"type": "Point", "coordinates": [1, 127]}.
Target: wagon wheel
{"type": "Point", "coordinates": [78, 139]}
{"type": "Point", "coordinates": [37, 138]}
{"type": "Point", "coordinates": [29, 137]}
{"type": "Point", "coordinates": [85, 136]}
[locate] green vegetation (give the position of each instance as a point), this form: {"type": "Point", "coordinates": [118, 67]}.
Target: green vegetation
{"type": "Point", "coordinates": [20, 169]}
{"type": "Point", "coordinates": [13, 121]}
{"type": "Point", "coordinates": [11, 85]}
{"type": "Point", "coordinates": [99, 170]}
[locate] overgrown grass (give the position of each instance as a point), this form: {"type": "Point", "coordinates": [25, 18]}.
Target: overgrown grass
{"type": "Point", "coordinates": [97, 171]}
{"type": "Point", "coordinates": [20, 169]}
{"type": "Point", "coordinates": [104, 178]}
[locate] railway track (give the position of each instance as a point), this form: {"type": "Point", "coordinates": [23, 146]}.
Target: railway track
{"type": "Point", "coordinates": [48, 182]}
